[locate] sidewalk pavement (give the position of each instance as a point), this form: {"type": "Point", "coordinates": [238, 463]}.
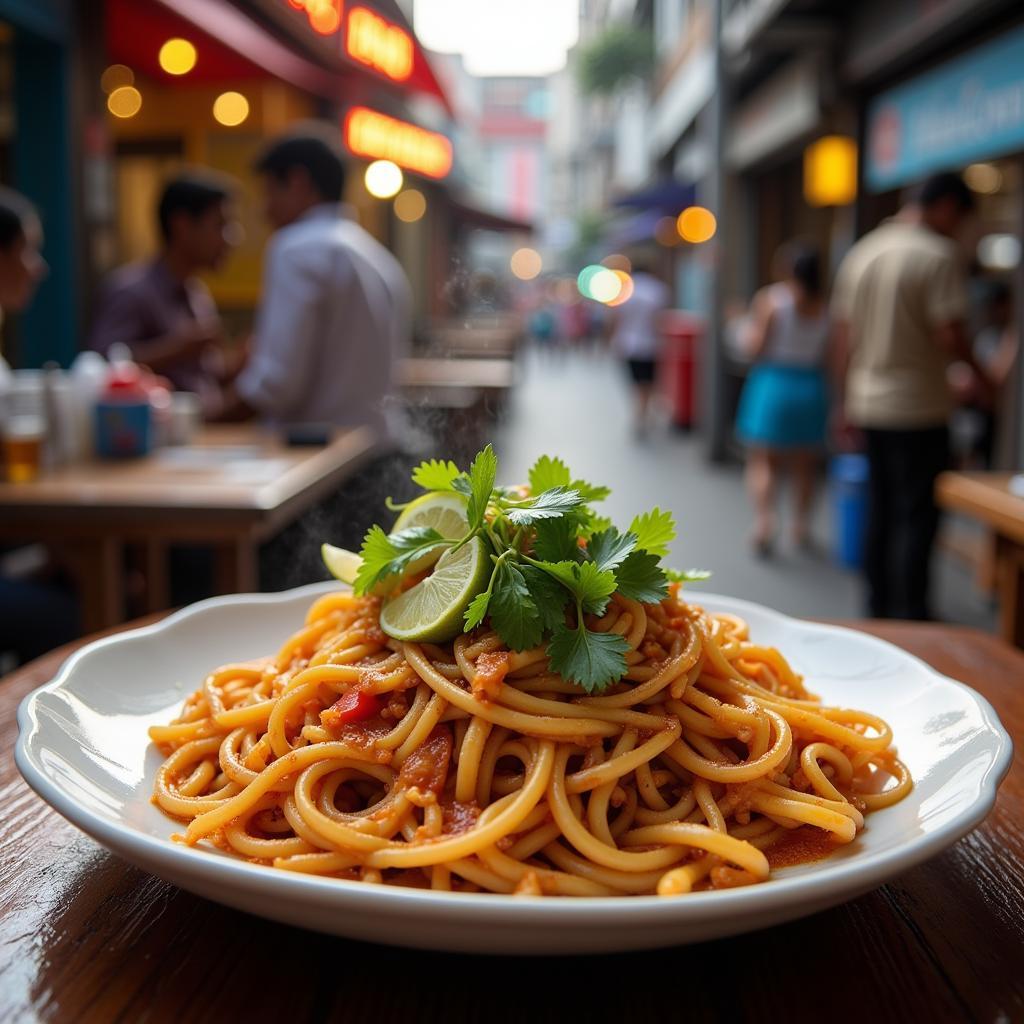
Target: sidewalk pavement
{"type": "Point", "coordinates": [577, 405]}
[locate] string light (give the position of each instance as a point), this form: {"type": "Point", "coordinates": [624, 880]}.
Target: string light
{"type": "Point", "coordinates": [125, 101]}
{"type": "Point", "coordinates": [177, 56]}
{"type": "Point", "coordinates": [230, 109]}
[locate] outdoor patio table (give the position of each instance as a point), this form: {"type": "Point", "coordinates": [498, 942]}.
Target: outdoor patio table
{"type": "Point", "coordinates": [85, 937]}
{"type": "Point", "coordinates": [230, 490]}
{"type": "Point", "coordinates": [987, 498]}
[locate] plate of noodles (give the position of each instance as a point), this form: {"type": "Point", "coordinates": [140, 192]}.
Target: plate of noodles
{"type": "Point", "coordinates": [649, 772]}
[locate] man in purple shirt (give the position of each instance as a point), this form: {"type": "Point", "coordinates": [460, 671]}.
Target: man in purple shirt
{"type": "Point", "coordinates": [160, 309]}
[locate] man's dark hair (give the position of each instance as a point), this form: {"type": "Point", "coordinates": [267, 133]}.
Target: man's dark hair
{"type": "Point", "coordinates": [946, 185]}
{"type": "Point", "coordinates": [15, 211]}
{"type": "Point", "coordinates": [311, 150]}
{"type": "Point", "coordinates": [193, 192]}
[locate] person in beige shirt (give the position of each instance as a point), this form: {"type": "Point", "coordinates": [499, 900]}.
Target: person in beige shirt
{"type": "Point", "coordinates": [899, 305]}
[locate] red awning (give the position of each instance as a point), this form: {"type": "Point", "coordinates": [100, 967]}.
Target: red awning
{"type": "Point", "coordinates": [245, 48]}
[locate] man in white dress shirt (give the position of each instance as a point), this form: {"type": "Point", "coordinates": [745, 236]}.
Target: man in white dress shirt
{"type": "Point", "coordinates": [335, 309]}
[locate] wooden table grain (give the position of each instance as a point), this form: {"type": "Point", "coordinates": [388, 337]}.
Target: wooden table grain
{"type": "Point", "coordinates": [988, 499]}
{"type": "Point", "coordinates": [233, 488]}
{"type": "Point", "coordinates": [85, 937]}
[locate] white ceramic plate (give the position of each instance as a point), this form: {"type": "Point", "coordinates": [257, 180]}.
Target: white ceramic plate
{"type": "Point", "coordinates": [83, 748]}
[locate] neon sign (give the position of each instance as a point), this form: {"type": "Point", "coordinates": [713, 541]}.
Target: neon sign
{"type": "Point", "coordinates": [379, 137]}
{"type": "Point", "coordinates": [324, 15]}
{"type": "Point", "coordinates": [377, 43]}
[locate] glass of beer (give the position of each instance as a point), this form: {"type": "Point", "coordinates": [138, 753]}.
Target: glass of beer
{"type": "Point", "coordinates": [23, 437]}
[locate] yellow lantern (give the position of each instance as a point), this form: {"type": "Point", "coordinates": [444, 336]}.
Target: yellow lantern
{"type": "Point", "coordinates": [830, 171]}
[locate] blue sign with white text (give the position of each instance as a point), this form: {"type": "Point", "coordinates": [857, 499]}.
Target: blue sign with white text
{"type": "Point", "coordinates": [970, 108]}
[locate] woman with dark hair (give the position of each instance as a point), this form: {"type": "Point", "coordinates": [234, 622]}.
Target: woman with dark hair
{"type": "Point", "coordinates": [784, 406]}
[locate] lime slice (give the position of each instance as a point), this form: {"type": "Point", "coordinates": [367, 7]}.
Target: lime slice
{"type": "Point", "coordinates": [443, 511]}
{"type": "Point", "coordinates": [432, 611]}
{"type": "Point", "coordinates": [341, 563]}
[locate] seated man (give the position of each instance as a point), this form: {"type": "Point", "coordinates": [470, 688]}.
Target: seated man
{"type": "Point", "coordinates": [160, 309]}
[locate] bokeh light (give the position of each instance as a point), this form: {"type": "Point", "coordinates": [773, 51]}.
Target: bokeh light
{"type": "Point", "coordinates": [696, 224]}
{"type": "Point", "coordinates": [383, 179]}
{"type": "Point", "coordinates": [526, 264]}
{"type": "Point", "coordinates": [124, 101]}
{"type": "Point", "coordinates": [984, 178]}
{"type": "Point", "coordinates": [324, 17]}
{"type": "Point", "coordinates": [230, 109]}
{"type": "Point", "coordinates": [605, 285]}
{"type": "Point", "coordinates": [116, 76]}
{"type": "Point", "coordinates": [625, 289]}
{"type": "Point", "coordinates": [177, 56]}
{"type": "Point", "coordinates": [410, 205]}
{"type": "Point", "coordinates": [586, 275]}
{"type": "Point", "coordinates": [830, 171]}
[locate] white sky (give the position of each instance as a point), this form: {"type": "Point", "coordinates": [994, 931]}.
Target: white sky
{"type": "Point", "coordinates": [500, 37]}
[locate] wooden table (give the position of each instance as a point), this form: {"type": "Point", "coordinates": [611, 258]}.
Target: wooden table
{"type": "Point", "coordinates": [987, 498]}
{"type": "Point", "coordinates": [230, 490]}
{"type": "Point", "coordinates": [84, 937]}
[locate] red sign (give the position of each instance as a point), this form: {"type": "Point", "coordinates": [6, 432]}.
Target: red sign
{"type": "Point", "coordinates": [377, 43]}
{"type": "Point", "coordinates": [324, 15]}
{"type": "Point", "coordinates": [379, 137]}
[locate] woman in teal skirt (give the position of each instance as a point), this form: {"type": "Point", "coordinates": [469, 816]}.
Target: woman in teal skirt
{"type": "Point", "coordinates": [783, 410]}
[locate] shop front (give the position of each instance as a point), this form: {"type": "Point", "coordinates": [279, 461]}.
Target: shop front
{"type": "Point", "coordinates": [208, 83]}
{"type": "Point", "coordinates": [965, 114]}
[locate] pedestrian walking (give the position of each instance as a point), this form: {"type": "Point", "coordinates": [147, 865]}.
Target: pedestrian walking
{"type": "Point", "coordinates": [783, 410]}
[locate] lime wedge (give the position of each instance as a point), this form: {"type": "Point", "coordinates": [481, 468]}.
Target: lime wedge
{"type": "Point", "coordinates": [341, 563]}
{"type": "Point", "coordinates": [445, 512]}
{"type": "Point", "coordinates": [432, 611]}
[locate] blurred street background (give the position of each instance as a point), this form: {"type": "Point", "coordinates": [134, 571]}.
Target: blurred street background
{"type": "Point", "coordinates": [540, 170]}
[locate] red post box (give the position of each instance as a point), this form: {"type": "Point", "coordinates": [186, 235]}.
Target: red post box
{"type": "Point", "coordinates": [677, 372]}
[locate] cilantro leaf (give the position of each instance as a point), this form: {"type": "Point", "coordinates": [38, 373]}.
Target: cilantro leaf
{"type": "Point", "coordinates": [641, 578]}
{"type": "Point", "coordinates": [654, 530]}
{"type": "Point", "coordinates": [594, 660]}
{"type": "Point", "coordinates": [547, 473]}
{"type": "Point", "coordinates": [590, 492]}
{"type": "Point", "coordinates": [548, 595]}
{"type": "Point", "coordinates": [436, 475]}
{"type": "Point", "coordinates": [609, 548]}
{"type": "Point", "coordinates": [550, 504]}
{"type": "Point", "coordinates": [514, 615]}
{"type": "Point", "coordinates": [481, 482]}
{"type": "Point", "coordinates": [477, 610]}
{"type": "Point", "coordinates": [555, 540]}
{"type": "Point", "coordinates": [386, 555]}
{"type": "Point", "coordinates": [591, 586]}
{"type": "Point", "coordinates": [687, 575]}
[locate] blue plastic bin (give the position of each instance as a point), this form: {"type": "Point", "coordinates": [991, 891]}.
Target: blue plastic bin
{"type": "Point", "coordinates": [849, 485]}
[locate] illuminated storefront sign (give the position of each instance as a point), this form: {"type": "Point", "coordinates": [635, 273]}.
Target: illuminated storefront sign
{"type": "Point", "coordinates": [379, 137]}
{"type": "Point", "coordinates": [375, 42]}
{"type": "Point", "coordinates": [324, 15]}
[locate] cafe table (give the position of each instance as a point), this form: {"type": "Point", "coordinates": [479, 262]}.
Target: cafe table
{"type": "Point", "coordinates": [84, 937]}
{"type": "Point", "coordinates": [989, 499]}
{"type": "Point", "coordinates": [230, 490]}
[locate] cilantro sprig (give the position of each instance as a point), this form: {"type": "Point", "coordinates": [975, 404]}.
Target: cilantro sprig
{"type": "Point", "coordinates": [555, 561]}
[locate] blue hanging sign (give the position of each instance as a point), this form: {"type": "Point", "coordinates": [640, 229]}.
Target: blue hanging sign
{"type": "Point", "coordinates": [970, 108]}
